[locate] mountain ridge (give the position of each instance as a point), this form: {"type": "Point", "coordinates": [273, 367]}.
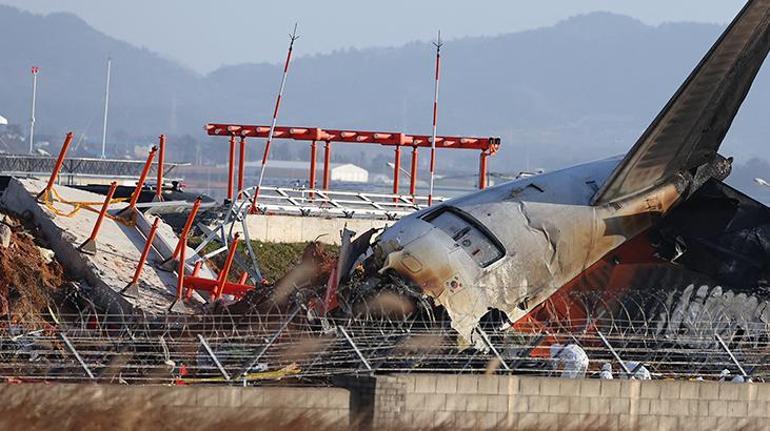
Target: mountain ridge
{"type": "Point", "coordinates": [583, 88]}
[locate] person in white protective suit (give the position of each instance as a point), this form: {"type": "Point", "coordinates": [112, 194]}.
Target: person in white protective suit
{"type": "Point", "coordinates": [571, 359]}
{"type": "Point", "coordinates": [641, 373]}
{"type": "Point", "coordinates": [606, 373]}
{"type": "Point", "coordinates": [724, 375]}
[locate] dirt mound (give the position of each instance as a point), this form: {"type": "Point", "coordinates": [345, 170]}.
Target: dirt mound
{"type": "Point", "coordinates": [28, 281]}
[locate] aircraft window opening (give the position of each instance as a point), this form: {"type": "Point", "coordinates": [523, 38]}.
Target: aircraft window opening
{"type": "Point", "coordinates": [469, 235]}
{"type": "Point", "coordinates": [462, 233]}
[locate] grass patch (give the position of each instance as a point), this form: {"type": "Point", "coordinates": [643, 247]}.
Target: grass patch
{"type": "Point", "coordinates": [275, 259]}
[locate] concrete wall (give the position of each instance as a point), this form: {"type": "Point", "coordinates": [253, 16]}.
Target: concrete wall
{"type": "Point", "coordinates": [467, 401]}
{"type": "Point", "coordinates": [424, 401]}
{"type": "Point", "coordinates": [285, 228]}
{"type": "Point", "coordinates": [200, 405]}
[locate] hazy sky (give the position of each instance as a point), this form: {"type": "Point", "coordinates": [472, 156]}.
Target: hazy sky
{"type": "Point", "coordinates": [204, 34]}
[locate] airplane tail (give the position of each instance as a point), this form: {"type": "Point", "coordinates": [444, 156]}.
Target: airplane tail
{"type": "Point", "coordinates": [689, 130]}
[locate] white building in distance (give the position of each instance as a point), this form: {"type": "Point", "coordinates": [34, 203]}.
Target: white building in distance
{"type": "Point", "coordinates": [349, 173]}
{"type": "Point", "coordinates": [340, 172]}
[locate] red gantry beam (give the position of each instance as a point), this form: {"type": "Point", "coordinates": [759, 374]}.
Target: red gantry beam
{"type": "Point", "coordinates": [491, 144]}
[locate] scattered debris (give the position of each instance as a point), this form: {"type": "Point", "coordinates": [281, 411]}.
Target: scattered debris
{"type": "Point", "coordinates": [46, 254]}
{"type": "Point", "coordinates": [5, 235]}
{"type": "Point", "coordinates": [308, 274]}
{"type": "Point", "coordinates": [28, 282]}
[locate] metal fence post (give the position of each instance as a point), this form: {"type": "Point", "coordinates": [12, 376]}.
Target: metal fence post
{"type": "Point", "coordinates": [614, 354]}
{"type": "Point", "coordinates": [730, 353]}
{"type": "Point", "coordinates": [77, 355]}
{"type": "Point", "coordinates": [273, 338]}
{"type": "Point", "coordinates": [489, 344]}
{"type": "Point", "coordinates": [350, 341]}
{"type": "Point", "coordinates": [214, 357]}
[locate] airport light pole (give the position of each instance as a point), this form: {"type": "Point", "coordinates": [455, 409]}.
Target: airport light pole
{"type": "Point", "coordinates": [35, 70]}
{"type": "Point", "coordinates": [106, 106]}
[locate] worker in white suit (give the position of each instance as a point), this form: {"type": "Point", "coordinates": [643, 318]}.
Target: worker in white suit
{"type": "Point", "coordinates": [570, 359]}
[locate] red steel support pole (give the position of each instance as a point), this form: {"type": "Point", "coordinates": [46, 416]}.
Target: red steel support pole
{"type": "Point", "coordinates": [241, 164]}
{"type": "Point", "coordinates": [146, 251]}
{"type": "Point", "coordinates": [196, 271]}
{"type": "Point", "coordinates": [178, 304]}
{"type": "Point", "coordinates": [181, 270]}
{"type": "Point", "coordinates": [396, 170]}
{"type": "Point", "coordinates": [222, 279]}
{"type": "Point", "coordinates": [327, 162]}
{"type": "Point", "coordinates": [312, 164]}
{"type": "Point", "coordinates": [168, 264]}
{"type": "Point", "coordinates": [161, 159]}
{"type": "Point", "coordinates": [231, 169]}
{"type": "Point", "coordinates": [89, 246]}
{"type": "Point", "coordinates": [483, 170]}
{"type": "Point", "coordinates": [45, 194]}
{"type": "Point", "coordinates": [242, 281]}
{"type": "Point", "coordinates": [142, 178]}
{"type": "Point", "coordinates": [133, 287]}
{"type": "Point", "coordinates": [413, 174]}
{"type": "Point", "coordinates": [187, 226]}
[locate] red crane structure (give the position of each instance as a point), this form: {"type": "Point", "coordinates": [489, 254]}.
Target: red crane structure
{"type": "Point", "coordinates": [486, 146]}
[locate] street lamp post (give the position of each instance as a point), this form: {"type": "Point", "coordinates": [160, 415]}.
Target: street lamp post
{"type": "Point", "coordinates": [35, 70]}
{"type": "Point", "coordinates": [106, 107]}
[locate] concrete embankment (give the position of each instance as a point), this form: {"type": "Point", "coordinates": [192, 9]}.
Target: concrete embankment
{"type": "Point", "coordinates": [293, 229]}
{"type": "Point", "coordinates": [67, 220]}
{"type": "Point", "coordinates": [424, 401]}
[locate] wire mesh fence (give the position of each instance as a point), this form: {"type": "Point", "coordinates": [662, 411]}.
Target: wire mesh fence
{"type": "Point", "coordinates": [252, 348]}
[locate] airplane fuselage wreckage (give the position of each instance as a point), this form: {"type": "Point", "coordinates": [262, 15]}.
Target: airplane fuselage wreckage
{"type": "Point", "coordinates": [657, 228]}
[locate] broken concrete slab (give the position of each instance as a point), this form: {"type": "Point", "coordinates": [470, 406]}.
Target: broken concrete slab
{"type": "Point", "coordinates": [118, 247]}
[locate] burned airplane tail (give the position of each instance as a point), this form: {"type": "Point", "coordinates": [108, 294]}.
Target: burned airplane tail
{"type": "Point", "coordinates": [686, 135]}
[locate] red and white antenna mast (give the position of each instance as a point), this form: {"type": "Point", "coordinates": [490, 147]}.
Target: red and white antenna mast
{"type": "Point", "coordinates": [35, 71]}
{"type": "Point", "coordinates": [438, 45]}
{"type": "Point", "coordinates": [293, 37]}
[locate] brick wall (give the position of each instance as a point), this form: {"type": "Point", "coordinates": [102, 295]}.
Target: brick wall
{"type": "Point", "coordinates": [452, 401]}
{"type": "Point", "coordinates": [473, 401]}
